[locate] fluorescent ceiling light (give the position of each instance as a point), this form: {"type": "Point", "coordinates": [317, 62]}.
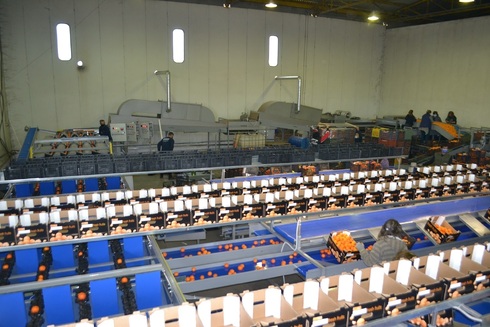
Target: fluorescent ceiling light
{"type": "Point", "coordinates": [271, 5]}
{"type": "Point", "coordinates": [63, 41]}
{"type": "Point", "coordinates": [466, 1]}
{"type": "Point", "coordinates": [373, 17]}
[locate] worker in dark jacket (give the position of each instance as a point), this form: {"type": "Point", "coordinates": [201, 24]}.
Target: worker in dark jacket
{"type": "Point", "coordinates": [425, 126]}
{"type": "Point", "coordinates": [167, 143]}
{"type": "Point", "coordinates": [104, 130]}
{"type": "Point", "coordinates": [410, 119]}
{"type": "Point", "coordinates": [390, 242]}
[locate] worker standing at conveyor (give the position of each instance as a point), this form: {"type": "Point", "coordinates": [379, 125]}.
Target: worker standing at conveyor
{"type": "Point", "coordinates": [390, 242]}
{"type": "Point", "coordinates": [104, 130]}
{"type": "Point", "coordinates": [166, 144]}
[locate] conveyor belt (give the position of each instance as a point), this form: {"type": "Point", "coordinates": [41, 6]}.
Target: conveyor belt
{"type": "Point", "coordinates": [365, 220]}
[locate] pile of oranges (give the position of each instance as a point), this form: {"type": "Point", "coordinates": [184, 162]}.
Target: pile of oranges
{"type": "Point", "coordinates": [325, 252]}
{"type": "Point", "coordinates": [444, 230]}
{"type": "Point", "coordinates": [344, 242]}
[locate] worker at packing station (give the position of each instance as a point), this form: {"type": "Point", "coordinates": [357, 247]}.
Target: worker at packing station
{"type": "Point", "coordinates": [425, 125]}
{"type": "Point", "coordinates": [166, 144]}
{"type": "Point", "coordinates": [104, 130]}
{"type": "Point", "coordinates": [389, 244]}
{"type": "Point", "coordinates": [451, 118]}
{"type": "Point", "coordinates": [410, 119]}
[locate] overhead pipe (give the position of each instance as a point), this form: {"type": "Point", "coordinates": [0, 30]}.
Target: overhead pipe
{"type": "Point", "coordinates": [299, 87]}
{"type": "Point", "coordinates": [166, 72]}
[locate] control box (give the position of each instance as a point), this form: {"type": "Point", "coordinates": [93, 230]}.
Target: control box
{"type": "Point", "coordinates": [131, 132]}
{"type": "Point", "coordinates": [118, 132]}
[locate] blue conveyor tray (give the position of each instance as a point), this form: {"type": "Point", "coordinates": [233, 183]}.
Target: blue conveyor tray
{"type": "Point", "coordinates": [365, 220]}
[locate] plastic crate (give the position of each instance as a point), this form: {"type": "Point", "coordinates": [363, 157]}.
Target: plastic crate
{"type": "Point", "coordinates": [216, 161]}
{"type": "Point", "coordinates": [87, 167]}
{"type": "Point", "coordinates": [171, 163]}
{"type": "Point", "coordinates": [202, 161]}
{"type": "Point", "coordinates": [137, 165]}
{"type": "Point", "coordinates": [121, 166]}
{"type": "Point", "coordinates": [105, 167]}
{"type": "Point", "coordinates": [69, 168]}
{"type": "Point", "coordinates": [52, 170]}
{"type": "Point", "coordinates": [34, 171]}
{"type": "Point", "coordinates": [188, 162]}
{"type": "Point", "coordinates": [16, 172]}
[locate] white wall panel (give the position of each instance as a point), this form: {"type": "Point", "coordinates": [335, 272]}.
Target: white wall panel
{"type": "Point", "coordinates": [178, 17]}
{"type": "Point", "coordinates": [255, 56]}
{"type": "Point", "coordinates": [135, 49]}
{"type": "Point", "coordinates": [158, 49]}
{"type": "Point", "coordinates": [440, 67]}
{"type": "Point", "coordinates": [237, 69]}
{"type": "Point", "coordinates": [87, 48]}
{"type": "Point", "coordinates": [112, 58]}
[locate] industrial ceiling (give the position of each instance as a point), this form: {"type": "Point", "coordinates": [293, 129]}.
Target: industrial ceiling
{"type": "Point", "coordinates": [391, 13]}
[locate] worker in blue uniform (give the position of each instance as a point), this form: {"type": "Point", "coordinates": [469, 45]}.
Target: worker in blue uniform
{"type": "Point", "coordinates": [167, 143]}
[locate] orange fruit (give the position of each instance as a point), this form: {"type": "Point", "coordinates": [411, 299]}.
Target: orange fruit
{"type": "Point", "coordinates": [8, 256]}
{"type": "Point", "coordinates": [124, 280]}
{"type": "Point", "coordinates": [40, 278]}
{"type": "Point", "coordinates": [182, 250]}
{"type": "Point", "coordinates": [220, 247]}
{"type": "Point", "coordinates": [273, 261]}
{"type": "Point", "coordinates": [236, 247]}
{"type": "Point", "coordinates": [42, 268]}
{"type": "Point", "coordinates": [119, 261]}
{"type": "Point", "coordinates": [201, 277]}
{"type": "Point", "coordinates": [35, 309]}
{"type": "Point", "coordinates": [193, 269]}
{"type": "Point", "coordinates": [215, 275]}
{"type": "Point", "coordinates": [5, 266]}
{"type": "Point", "coordinates": [82, 296]}
{"type": "Point", "coordinates": [165, 254]}
{"type": "Point", "coordinates": [210, 273]}
{"type": "Point", "coordinates": [176, 274]}
{"type": "Point", "coordinates": [255, 260]}
{"type": "Point", "coordinates": [226, 265]}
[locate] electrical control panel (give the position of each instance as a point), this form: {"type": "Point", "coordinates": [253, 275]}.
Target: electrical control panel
{"type": "Point", "coordinates": [118, 132]}
{"type": "Point", "coordinates": [144, 131]}
{"type": "Point", "coordinates": [131, 132]}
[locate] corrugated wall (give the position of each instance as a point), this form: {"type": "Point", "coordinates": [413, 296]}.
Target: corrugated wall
{"type": "Point", "coordinates": [122, 42]}
{"type": "Point", "coordinates": [441, 67]}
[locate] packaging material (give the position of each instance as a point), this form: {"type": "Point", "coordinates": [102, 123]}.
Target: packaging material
{"type": "Point", "coordinates": [223, 311]}
{"type": "Point", "coordinates": [63, 225]}
{"type": "Point", "coordinates": [184, 315]}
{"type": "Point", "coordinates": [362, 306]}
{"type": "Point", "coordinates": [135, 319]}
{"type": "Point", "coordinates": [7, 230]}
{"type": "Point", "coordinates": [267, 307]}
{"type": "Point", "coordinates": [316, 308]}
{"type": "Point", "coordinates": [457, 260]}
{"type": "Point", "coordinates": [428, 290]}
{"type": "Point", "coordinates": [440, 230]}
{"type": "Point", "coordinates": [93, 222]}
{"type": "Point", "coordinates": [398, 298]}
{"type": "Point", "coordinates": [32, 228]}
{"type": "Point", "coordinates": [343, 246]}
{"type": "Point", "coordinates": [457, 283]}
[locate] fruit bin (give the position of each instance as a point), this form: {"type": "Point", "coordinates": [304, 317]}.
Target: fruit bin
{"type": "Point", "coordinates": [440, 230]}
{"type": "Point", "coordinates": [343, 246]}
